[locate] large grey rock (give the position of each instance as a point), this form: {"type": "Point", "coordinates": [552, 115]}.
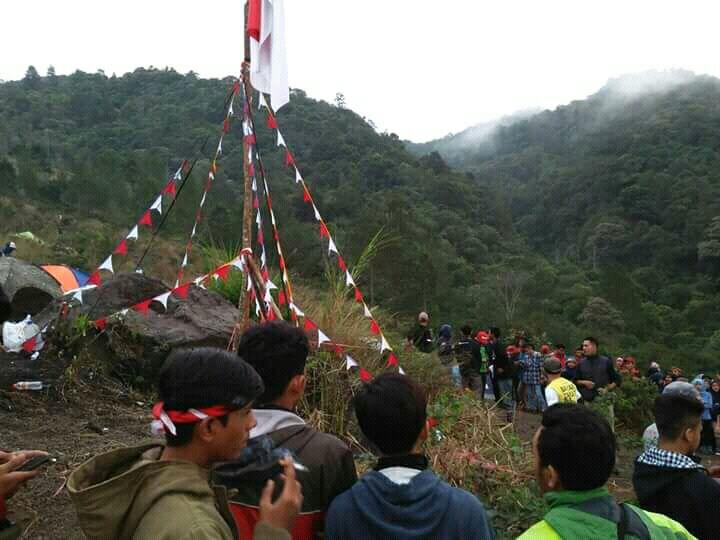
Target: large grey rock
{"type": "Point", "coordinates": [24, 289]}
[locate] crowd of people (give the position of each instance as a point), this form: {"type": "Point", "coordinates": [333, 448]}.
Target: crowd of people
{"type": "Point", "coordinates": [237, 461]}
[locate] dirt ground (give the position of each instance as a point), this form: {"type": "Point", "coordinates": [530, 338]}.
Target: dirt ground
{"type": "Point", "coordinates": [78, 422]}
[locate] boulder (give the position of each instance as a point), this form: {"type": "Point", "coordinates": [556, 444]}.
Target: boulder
{"type": "Point", "coordinates": [25, 289]}
{"type": "Point", "coordinates": [135, 345]}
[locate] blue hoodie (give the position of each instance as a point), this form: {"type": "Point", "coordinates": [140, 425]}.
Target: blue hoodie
{"type": "Point", "coordinates": [427, 507]}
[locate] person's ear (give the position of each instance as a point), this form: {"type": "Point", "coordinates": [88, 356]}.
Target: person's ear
{"type": "Point", "coordinates": [205, 430]}
{"type": "Point", "coordinates": [551, 478]}
{"type": "Point", "coordinates": [297, 384]}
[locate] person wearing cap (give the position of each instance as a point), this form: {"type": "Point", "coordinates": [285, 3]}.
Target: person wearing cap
{"type": "Point", "coordinates": [163, 491]}
{"type": "Point", "coordinates": [420, 336]}
{"type": "Point", "coordinates": [669, 478]}
{"type": "Point", "coordinates": [558, 389]}
{"type": "Point", "coordinates": [8, 249]}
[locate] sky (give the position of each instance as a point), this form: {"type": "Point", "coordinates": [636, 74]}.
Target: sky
{"type": "Point", "coordinates": [418, 68]}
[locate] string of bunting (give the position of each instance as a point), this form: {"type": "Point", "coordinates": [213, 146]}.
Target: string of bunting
{"type": "Point", "coordinates": [145, 220]}
{"type": "Point", "coordinates": [208, 182]}
{"type": "Point", "coordinates": [324, 232]}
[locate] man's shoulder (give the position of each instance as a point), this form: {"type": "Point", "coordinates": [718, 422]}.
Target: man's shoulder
{"type": "Point", "coordinates": [540, 531]}
{"type": "Point", "coordinates": [192, 517]}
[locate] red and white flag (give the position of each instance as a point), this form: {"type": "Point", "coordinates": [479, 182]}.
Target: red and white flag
{"type": "Point", "coordinates": [268, 58]}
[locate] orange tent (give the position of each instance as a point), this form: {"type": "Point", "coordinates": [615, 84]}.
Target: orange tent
{"type": "Point", "coordinates": [64, 275]}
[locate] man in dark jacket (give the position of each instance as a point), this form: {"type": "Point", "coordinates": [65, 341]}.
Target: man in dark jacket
{"type": "Point", "coordinates": [473, 361]}
{"type": "Point", "coordinates": [504, 371]}
{"type": "Point", "coordinates": [595, 374]}
{"type": "Point", "coordinates": [669, 479]}
{"type": "Point", "coordinates": [278, 352]}
{"type": "Point", "coordinates": [420, 335]}
{"type": "Point", "coordinates": [401, 498]}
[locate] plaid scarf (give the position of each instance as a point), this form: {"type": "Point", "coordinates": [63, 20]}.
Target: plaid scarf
{"type": "Point", "coordinates": [658, 457]}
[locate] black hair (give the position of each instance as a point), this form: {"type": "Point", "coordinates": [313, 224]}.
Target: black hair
{"type": "Point", "coordinates": [559, 346]}
{"type": "Point", "coordinates": [495, 331]}
{"type": "Point", "coordinates": [205, 377]}
{"type": "Point", "coordinates": [466, 330]}
{"type": "Point", "coordinates": [278, 352]}
{"type": "Point", "coordinates": [391, 411]}
{"type": "Point", "coordinates": [579, 444]}
{"type": "Point", "coordinates": [674, 413]}
{"type": "Point", "coordinates": [592, 340]}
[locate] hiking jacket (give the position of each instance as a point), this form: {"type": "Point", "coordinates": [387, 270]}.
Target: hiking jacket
{"type": "Point", "coordinates": [598, 369]}
{"type": "Point", "coordinates": [417, 505]}
{"type": "Point", "coordinates": [471, 357]}
{"type": "Point", "coordinates": [677, 486]}
{"type": "Point", "coordinates": [331, 471]}
{"type": "Point", "coordinates": [500, 360]}
{"type": "Point", "coordinates": [421, 337]}
{"type": "Point", "coordinates": [594, 515]}
{"type": "Point", "coordinates": [130, 494]}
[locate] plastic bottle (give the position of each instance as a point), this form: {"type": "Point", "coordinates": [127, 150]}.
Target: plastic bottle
{"type": "Point", "coordinates": [28, 385]}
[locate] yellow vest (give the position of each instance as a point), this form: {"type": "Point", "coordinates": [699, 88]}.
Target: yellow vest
{"type": "Point", "coordinates": [565, 390]}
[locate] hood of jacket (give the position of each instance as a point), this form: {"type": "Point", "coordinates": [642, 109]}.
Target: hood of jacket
{"type": "Point", "coordinates": [393, 510]}
{"type": "Point", "coordinates": [112, 492]}
{"type": "Point", "coordinates": [655, 470]}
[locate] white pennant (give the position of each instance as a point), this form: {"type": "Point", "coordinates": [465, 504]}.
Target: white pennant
{"type": "Point", "coordinates": [254, 185]}
{"type": "Point", "coordinates": [211, 175]}
{"type": "Point", "coordinates": [78, 296]}
{"type": "Point", "coordinates": [239, 264]}
{"type": "Point", "coordinates": [177, 284]}
{"type": "Point", "coordinates": [349, 279]}
{"type": "Point", "coordinates": [185, 260]}
{"type": "Point", "coordinates": [263, 258]}
{"type": "Point", "coordinates": [107, 265]}
{"type": "Point", "coordinates": [249, 153]}
{"type": "Point", "coordinates": [219, 148]}
{"type": "Point", "coordinates": [317, 213]}
{"type": "Point", "coordinates": [401, 371]}
{"type": "Point", "coordinates": [178, 174]}
{"type": "Point", "coordinates": [367, 311]}
{"type": "Point", "coordinates": [270, 285]}
{"type": "Point", "coordinates": [261, 101]}
{"type": "Point", "coordinates": [124, 312]}
{"type": "Point", "coordinates": [349, 362]}
{"type": "Point", "coordinates": [248, 284]}
{"type": "Point", "coordinates": [257, 308]}
{"type": "Point", "coordinates": [281, 140]}
{"type": "Point", "coordinates": [331, 247]}
{"type": "Point", "coordinates": [385, 346]}
{"type": "Point", "coordinates": [133, 235]}
{"type": "Point", "coordinates": [297, 310]}
{"type": "Point", "coordinates": [157, 205]}
{"type": "Point", "coordinates": [322, 338]}
{"type": "Point", "coordinates": [258, 219]}
{"type": "Point", "coordinates": [202, 201]}
{"type": "Point", "coordinates": [268, 296]}
{"type": "Point", "coordinates": [192, 235]}
{"type": "Point", "coordinates": [298, 178]}
{"type": "Point", "coordinates": [231, 110]}
{"type": "Point", "coordinates": [246, 128]}
{"type": "Point", "coordinates": [272, 217]}
{"type": "Point", "coordinates": [163, 299]}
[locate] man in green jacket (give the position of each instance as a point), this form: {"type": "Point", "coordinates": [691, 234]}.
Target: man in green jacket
{"type": "Point", "coordinates": [158, 491]}
{"type": "Point", "coordinates": [574, 451]}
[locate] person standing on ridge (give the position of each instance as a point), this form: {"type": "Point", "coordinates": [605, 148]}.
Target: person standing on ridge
{"type": "Point", "coordinates": [420, 336]}
{"type": "Point", "coordinates": [595, 374]}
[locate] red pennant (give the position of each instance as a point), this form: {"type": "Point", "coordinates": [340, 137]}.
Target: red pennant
{"type": "Point", "coordinates": [264, 273]}
{"type": "Point", "coordinates": [146, 219]}
{"type": "Point", "coordinates": [282, 262]}
{"type": "Point", "coordinates": [271, 315]}
{"type": "Point", "coordinates": [251, 295]}
{"type": "Point", "coordinates": [256, 202]}
{"type": "Point", "coordinates": [432, 422]}
{"type": "Point", "coordinates": [392, 360]}
{"type": "Point", "coordinates": [198, 216]}
{"type": "Point", "coordinates": [121, 249]}
{"type": "Point", "coordinates": [289, 159]}
{"type": "Point", "coordinates": [251, 170]}
{"type": "Point", "coordinates": [250, 139]}
{"type": "Point", "coordinates": [271, 122]}
{"type": "Point", "coordinates": [281, 298]}
{"type": "Point", "coordinates": [182, 291]}
{"type": "Point", "coordinates": [189, 248]}
{"type": "Point", "coordinates": [293, 316]}
{"type": "Point", "coordinates": [100, 324]}
{"type": "Point", "coordinates": [341, 264]}
{"type": "Point", "coordinates": [309, 325]}
{"type": "Point", "coordinates": [236, 84]}
{"type": "Point", "coordinates": [374, 327]}
{"type": "Point", "coordinates": [143, 307]}
{"type": "Point", "coordinates": [185, 166]}
{"type": "Point", "coordinates": [94, 278]}
{"type": "Point", "coordinates": [324, 233]}
{"type": "Point", "coordinates": [276, 236]}
{"type": "Point", "coordinates": [260, 237]}
{"type": "Point", "coordinates": [338, 350]}
{"type": "Point", "coordinates": [226, 126]}
{"type": "Point", "coordinates": [358, 296]}
{"type": "Point", "coordinates": [223, 272]}
{"type": "Point", "coordinates": [306, 195]}
{"type": "Point", "coordinates": [169, 188]}
{"type": "Point", "coordinates": [180, 275]}
{"type": "Point", "coordinates": [269, 200]}
{"type": "Point", "coordinates": [29, 345]}
{"type": "Point", "coordinates": [365, 375]}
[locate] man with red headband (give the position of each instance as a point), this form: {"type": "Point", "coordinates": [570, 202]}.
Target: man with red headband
{"type": "Point", "coordinates": [163, 491]}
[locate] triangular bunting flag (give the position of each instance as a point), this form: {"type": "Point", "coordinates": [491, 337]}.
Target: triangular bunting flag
{"type": "Point", "coordinates": [374, 327]}
{"type": "Point", "coordinates": [170, 188]}
{"type": "Point", "coordinates": [338, 350]}
{"type": "Point", "coordinates": [322, 338]}
{"type": "Point", "coordinates": [163, 299]}
{"type": "Point", "coordinates": [281, 263]}
{"type": "Point", "coordinates": [385, 346]}
{"type": "Point", "coordinates": [226, 124]}
{"type": "Point", "coordinates": [341, 264]}
{"type": "Point", "coordinates": [366, 311]}
{"type": "Point", "coordinates": [281, 298]}
{"type": "Point", "coordinates": [297, 310]}
{"type": "Point", "coordinates": [349, 362]}
{"type": "Point", "coordinates": [358, 295]}
{"type": "Point", "coordinates": [121, 248]}
{"type": "Point", "coordinates": [298, 178]}
{"type": "Point", "coordinates": [332, 248]}
{"type": "Point", "coordinates": [219, 148]}
{"type": "Point", "coordinates": [100, 324]}
{"type": "Point", "coordinates": [107, 265]}
{"type": "Point", "coordinates": [157, 205]}
{"type": "Point", "coordinates": [29, 345]}
{"type": "Point", "coordinates": [78, 296]}
{"type": "Point", "coordinates": [224, 272]}
{"type": "Point", "coordinates": [146, 219]}
{"type": "Point", "coordinates": [185, 261]}
{"type": "Point", "coordinates": [271, 122]}
{"type": "Point", "coordinates": [309, 325]}
{"type": "Point", "coordinates": [289, 159]}
{"type": "Point", "coordinates": [306, 195]}
{"type": "Point", "coordinates": [261, 101]}
{"type": "Point", "coordinates": [392, 360]}
{"type": "Point", "coordinates": [133, 235]}
{"type": "Point", "coordinates": [324, 233]}
{"type": "Point", "coordinates": [281, 140]}
{"type": "Point", "coordinates": [270, 285]}
{"type": "Point", "coordinates": [349, 281]}
{"type": "Point", "coordinates": [401, 371]}
{"type": "Point", "coordinates": [94, 279]}
{"type": "Point", "coordinates": [143, 307]}
{"type": "Point", "coordinates": [317, 213]}
{"type": "Point", "coordinates": [250, 139]}
{"type": "Point", "coordinates": [365, 375]}
{"type": "Point", "coordinates": [182, 291]}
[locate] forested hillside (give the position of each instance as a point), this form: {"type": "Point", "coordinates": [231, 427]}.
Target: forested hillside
{"type": "Point", "coordinates": [96, 149]}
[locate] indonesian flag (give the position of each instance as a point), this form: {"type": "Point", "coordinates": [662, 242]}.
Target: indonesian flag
{"type": "Point", "coordinates": [268, 59]}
